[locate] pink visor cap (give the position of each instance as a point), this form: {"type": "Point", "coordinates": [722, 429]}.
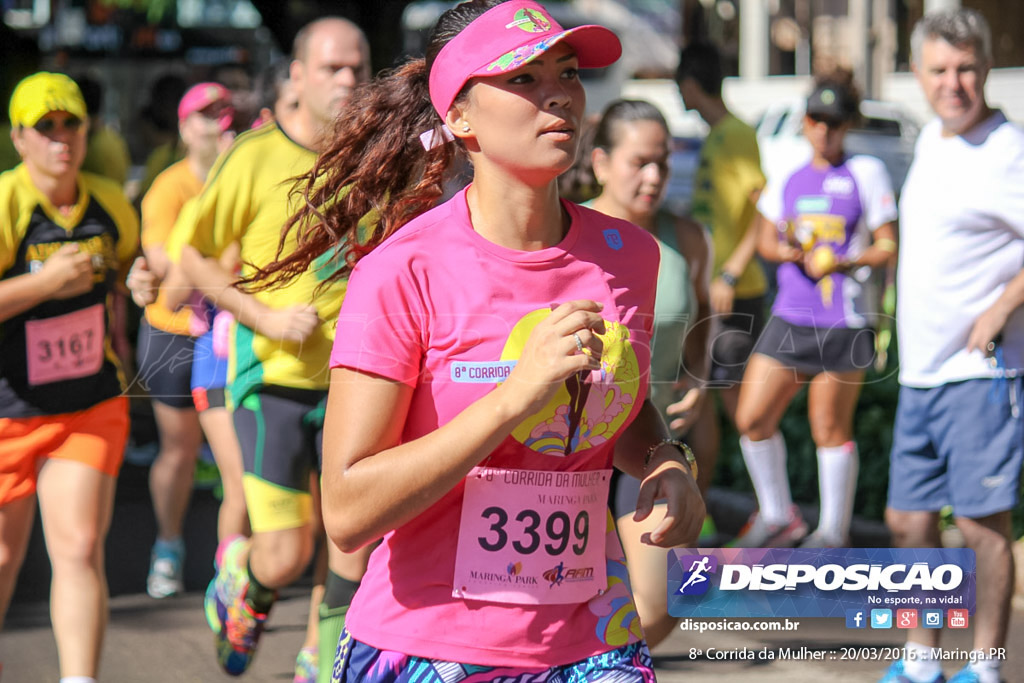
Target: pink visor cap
{"type": "Point", "coordinates": [201, 96]}
{"type": "Point", "coordinates": [505, 38]}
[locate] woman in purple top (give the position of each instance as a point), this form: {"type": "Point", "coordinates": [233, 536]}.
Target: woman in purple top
{"type": "Point", "coordinates": [828, 223]}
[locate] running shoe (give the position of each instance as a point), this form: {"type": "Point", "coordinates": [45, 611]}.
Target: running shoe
{"type": "Point", "coordinates": [307, 665]}
{"type": "Point", "coordinates": [819, 539]}
{"type": "Point", "coordinates": [758, 534]}
{"type": "Point", "coordinates": [236, 626]}
{"type": "Point", "coordinates": [969, 675]}
{"type": "Point", "coordinates": [897, 674]}
{"type": "Point", "coordinates": [166, 569]}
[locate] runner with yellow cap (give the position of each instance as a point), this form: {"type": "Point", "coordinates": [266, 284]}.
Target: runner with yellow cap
{"type": "Point", "coordinates": [65, 239]}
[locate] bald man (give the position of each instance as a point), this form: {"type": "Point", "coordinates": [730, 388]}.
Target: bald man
{"type": "Point", "coordinates": [280, 348]}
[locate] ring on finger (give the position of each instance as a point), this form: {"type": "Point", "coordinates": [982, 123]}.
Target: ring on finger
{"type": "Point", "coordinates": [579, 342]}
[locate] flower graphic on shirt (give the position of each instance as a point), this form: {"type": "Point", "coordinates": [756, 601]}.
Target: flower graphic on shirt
{"type": "Point", "coordinates": [618, 620]}
{"type": "Point", "coordinates": [589, 408]}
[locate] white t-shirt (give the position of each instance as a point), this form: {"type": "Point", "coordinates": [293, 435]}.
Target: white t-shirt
{"type": "Point", "coordinates": [961, 242]}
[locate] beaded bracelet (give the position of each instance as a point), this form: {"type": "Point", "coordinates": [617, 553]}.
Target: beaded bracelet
{"type": "Point", "coordinates": [691, 459]}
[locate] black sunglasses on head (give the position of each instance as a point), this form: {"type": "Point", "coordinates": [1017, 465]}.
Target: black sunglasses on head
{"type": "Point", "coordinates": [47, 126]}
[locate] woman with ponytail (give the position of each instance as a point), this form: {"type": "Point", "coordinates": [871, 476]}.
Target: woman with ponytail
{"type": "Point", "coordinates": [490, 364]}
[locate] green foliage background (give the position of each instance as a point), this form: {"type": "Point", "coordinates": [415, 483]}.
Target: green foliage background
{"type": "Point", "coordinates": [873, 427]}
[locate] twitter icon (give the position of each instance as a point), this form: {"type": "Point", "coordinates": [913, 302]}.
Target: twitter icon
{"type": "Point", "coordinates": [881, 618]}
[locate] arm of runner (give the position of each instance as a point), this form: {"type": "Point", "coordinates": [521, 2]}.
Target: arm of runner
{"type": "Point", "coordinates": [723, 293]}
{"type": "Point", "coordinates": [666, 477]}
{"type": "Point", "coordinates": [65, 274]}
{"type": "Point", "coordinates": [771, 248]}
{"type": "Point", "coordinates": [372, 483]}
{"type": "Point", "coordinates": [293, 323]}
{"type": "Point", "coordinates": [693, 240]}
{"type": "Point", "coordinates": [990, 323]}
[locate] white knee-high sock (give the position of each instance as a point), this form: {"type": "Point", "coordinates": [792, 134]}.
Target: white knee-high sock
{"type": "Point", "coordinates": [837, 484]}
{"type": "Point", "coordinates": [766, 462]}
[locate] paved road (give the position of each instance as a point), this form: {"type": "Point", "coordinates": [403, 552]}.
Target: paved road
{"type": "Point", "coordinates": [168, 641]}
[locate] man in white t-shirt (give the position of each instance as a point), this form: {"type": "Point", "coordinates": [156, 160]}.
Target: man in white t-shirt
{"type": "Point", "coordinates": [958, 438]}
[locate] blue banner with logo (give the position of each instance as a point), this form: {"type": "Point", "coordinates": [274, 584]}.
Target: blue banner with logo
{"type": "Point", "coordinates": [832, 582]}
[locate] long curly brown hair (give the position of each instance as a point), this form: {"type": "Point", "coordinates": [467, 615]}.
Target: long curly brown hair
{"type": "Point", "coordinates": [374, 169]}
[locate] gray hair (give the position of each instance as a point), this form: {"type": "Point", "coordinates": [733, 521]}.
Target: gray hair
{"type": "Point", "coordinates": [956, 27]}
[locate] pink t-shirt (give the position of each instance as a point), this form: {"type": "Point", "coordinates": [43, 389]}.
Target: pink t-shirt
{"type": "Point", "coordinates": [442, 309]}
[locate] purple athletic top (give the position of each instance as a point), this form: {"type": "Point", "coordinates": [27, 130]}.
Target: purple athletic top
{"type": "Point", "coordinates": [837, 208]}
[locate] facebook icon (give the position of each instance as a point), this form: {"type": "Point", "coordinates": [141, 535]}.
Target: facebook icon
{"type": "Point", "coordinates": [856, 618]}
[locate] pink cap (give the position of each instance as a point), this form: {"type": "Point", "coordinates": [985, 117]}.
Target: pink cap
{"type": "Point", "coordinates": [506, 37]}
{"type": "Point", "coordinates": [201, 96]}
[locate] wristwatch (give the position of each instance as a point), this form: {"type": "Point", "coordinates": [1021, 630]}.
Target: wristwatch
{"type": "Point", "coordinates": [686, 451]}
{"type": "Point", "coordinates": [728, 278]}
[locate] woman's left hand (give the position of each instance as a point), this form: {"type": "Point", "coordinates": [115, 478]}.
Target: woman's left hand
{"type": "Point", "coordinates": [670, 480]}
{"type": "Point", "coordinates": [686, 410]}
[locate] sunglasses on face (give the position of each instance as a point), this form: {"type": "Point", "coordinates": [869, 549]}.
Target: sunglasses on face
{"type": "Point", "coordinates": [48, 126]}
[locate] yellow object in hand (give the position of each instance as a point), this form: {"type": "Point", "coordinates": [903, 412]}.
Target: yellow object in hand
{"type": "Point", "coordinates": [824, 259]}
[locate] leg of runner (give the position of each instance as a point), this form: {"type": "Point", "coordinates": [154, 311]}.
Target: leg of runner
{"type": "Point", "coordinates": [648, 575]}
{"type": "Point", "coordinates": [767, 390]}
{"type": "Point", "coordinates": [170, 485]}
{"type": "Point", "coordinates": [76, 502]}
{"type": "Point", "coordinates": [15, 530]}
{"type": "Point", "coordinates": [232, 518]}
{"type": "Point", "coordinates": [915, 529]}
{"type": "Point", "coordinates": [344, 574]}
{"type": "Point", "coordinates": [307, 663]}
{"type": "Point", "coordinates": [831, 402]}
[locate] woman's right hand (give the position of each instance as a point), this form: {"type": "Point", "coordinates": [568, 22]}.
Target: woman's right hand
{"type": "Point", "coordinates": [551, 354]}
{"type": "Point", "coordinates": [68, 272]}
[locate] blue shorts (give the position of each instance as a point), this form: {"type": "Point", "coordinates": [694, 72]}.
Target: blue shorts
{"type": "Point", "coordinates": [959, 444]}
{"type": "Point", "coordinates": [209, 375]}
{"type": "Point", "coordinates": [357, 662]}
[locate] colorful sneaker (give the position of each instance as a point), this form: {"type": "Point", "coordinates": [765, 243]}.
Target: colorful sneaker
{"type": "Point", "coordinates": [897, 674]}
{"type": "Point", "coordinates": [166, 569]}
{"type": "Point", "coordinates": [307, 665]}
{"type": "Point", "coordinates": [818, 539]}
{"type": "Point", "coordinates": [757, 534]}
{"type": "Point", "coordinates": [236, 626]}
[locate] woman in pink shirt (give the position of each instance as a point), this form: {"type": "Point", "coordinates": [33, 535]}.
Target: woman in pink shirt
{"type": "Point", "coordinates": [491, 360]}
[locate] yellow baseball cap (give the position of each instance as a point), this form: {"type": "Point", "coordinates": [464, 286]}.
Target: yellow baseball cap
{"type": "Point", "coordinates": [39, 94]}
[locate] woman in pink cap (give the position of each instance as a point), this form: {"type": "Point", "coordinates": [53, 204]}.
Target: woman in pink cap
{"type": "Point", "coordinates": [489, 367]}
{"type": "Point", "coordinates": [172, 342]}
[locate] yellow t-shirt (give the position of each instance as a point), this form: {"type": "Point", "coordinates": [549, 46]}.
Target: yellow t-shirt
{"type": "Point", "coordinates": [103, 224]}
{"type": "Point", "coordinates": [730, 169]}
{"type": "Point", "coordinates": [160, 209]}
{"type": "Point", "coordinates": [247, 199]}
